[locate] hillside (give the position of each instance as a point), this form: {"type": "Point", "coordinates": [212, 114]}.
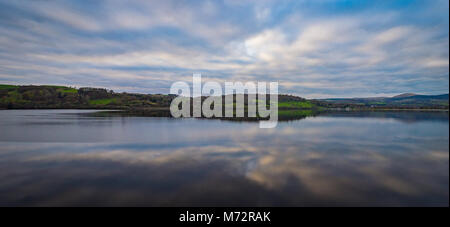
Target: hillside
{"type": "Point", "coordinates": [49, 96]}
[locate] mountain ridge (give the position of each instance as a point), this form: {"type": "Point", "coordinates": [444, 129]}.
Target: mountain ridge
{"type": "Point", "coordinates": [404, 95]}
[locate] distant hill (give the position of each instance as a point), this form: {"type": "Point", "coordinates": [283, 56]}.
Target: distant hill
{"type": "Point", "coordinates": [426, 97]}
{"type": "Point", "coordinates": [404, 95]}
{"type": "Point", "coordinates": [406, 100]}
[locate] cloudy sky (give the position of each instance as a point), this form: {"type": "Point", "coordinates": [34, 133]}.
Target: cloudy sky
{"type": "Point", "coordinates": [314, 49]}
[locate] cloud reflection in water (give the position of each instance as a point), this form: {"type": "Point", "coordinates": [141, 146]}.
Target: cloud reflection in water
{"type": "Point", "coordinates": [322, 161]}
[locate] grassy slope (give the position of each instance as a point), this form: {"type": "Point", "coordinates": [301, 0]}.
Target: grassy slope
{"type": "Point", "coordinates": [66, 90]}
{"type": "Point", "coordinates": [102, 101]}
{"type": "Point", "coordinates": [296, 104]}
{"type": "Point", "coordinates": [7, 86]}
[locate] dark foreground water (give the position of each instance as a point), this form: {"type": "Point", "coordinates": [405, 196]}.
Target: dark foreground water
{"type": "Point", "coordinates": [65, 157]}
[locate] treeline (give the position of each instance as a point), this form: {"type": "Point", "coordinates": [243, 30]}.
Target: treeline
{"type": "Point", "coordinates": [46, 96]}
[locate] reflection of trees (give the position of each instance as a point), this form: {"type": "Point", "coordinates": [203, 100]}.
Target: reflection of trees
{"type": "Point", "coordinates": [293, 115]}
{"type": "Point", "coordinates": [283, 115]}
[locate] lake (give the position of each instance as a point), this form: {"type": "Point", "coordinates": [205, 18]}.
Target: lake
{"type": "Point", "coordinates": [74, 158]}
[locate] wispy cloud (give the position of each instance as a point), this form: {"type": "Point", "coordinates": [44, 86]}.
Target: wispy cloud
{"type": "Point", "coordinates": [314, 49]}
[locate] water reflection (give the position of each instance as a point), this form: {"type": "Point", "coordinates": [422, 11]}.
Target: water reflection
{"type": "Point", "coordinates": [320, 161]}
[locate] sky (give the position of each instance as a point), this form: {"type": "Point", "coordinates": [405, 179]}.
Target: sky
{"type": "Point", "coordinates": [314, 49]}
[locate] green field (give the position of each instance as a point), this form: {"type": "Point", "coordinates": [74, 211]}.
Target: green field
{"type": "Point", "coordinates": [7, 86]}
{"type": "Point", "coordinates": [377, 103]}
{"type": "Point", "coordinates": [65, 90]}
{"type": "Point", "coordinates": [102, 101]}
{"type": "Point", "coordinates": [294, 104]}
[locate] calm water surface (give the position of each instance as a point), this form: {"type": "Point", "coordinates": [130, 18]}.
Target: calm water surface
{"type": "Point", "coordinates": [68, 157]}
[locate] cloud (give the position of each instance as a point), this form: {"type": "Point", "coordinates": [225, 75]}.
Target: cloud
{"type": "Point", "coordinates": [311, 49]}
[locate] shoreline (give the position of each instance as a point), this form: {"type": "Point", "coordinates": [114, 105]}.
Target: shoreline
{"type": "Point", "coordinates": [284, 109]}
